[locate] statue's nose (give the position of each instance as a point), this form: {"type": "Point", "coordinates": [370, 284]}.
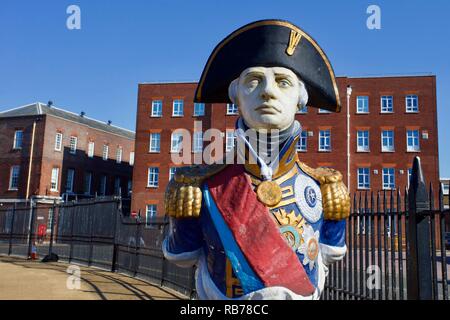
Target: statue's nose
{"type": "Point", "coordinates": [267, 92]}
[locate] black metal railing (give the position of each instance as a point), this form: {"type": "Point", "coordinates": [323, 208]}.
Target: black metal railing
{"type": "Point", "coordinates": [396, 242]}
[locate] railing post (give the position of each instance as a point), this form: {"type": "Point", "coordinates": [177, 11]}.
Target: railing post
{"type": "Point", "coordinates": [419, 262]}
{"type": "Point", "coordinates": [31, 229]}
{"type": "Point", "coordinates": [52, 227]}
{"type": "Point", "coordinates": [137, 244]}
{"type": "Point", "coordinates": [12, 229]}
{"type": "Point", "coordinates": [115, 249]}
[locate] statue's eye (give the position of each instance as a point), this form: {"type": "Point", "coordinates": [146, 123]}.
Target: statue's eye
{"type": "Point", "coordinates": [284, 83]}
{"type": "Point", "coordinates": [253, 82]}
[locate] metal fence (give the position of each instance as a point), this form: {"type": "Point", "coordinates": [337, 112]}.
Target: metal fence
{"type": "Point", "coordinates": [396, 243]}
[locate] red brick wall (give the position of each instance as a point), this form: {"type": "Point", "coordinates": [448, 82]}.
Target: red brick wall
{"type": "Point", "coordinates": [399, 87]}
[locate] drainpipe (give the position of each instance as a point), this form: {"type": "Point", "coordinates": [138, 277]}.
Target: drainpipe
{"type": "Point", "coordinates": [349, 93]}
{"type": "Point", "coordinates": [31, 159]}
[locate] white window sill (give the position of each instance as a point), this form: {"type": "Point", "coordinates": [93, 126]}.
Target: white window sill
{"type": "Point", "coordinates": [362, 112]}
{"type": "Point", "coordinates": [386, 112]}
{"type": "Point", "coordinates": [363, 151]}
{"type": "Point", "coordinates": [177, 116]}
{"type": "Point", "coordinates": [363, 189]}
{"type": "Point", "coordinates": [151, 151]}
{"type": "Point", "coordinates": [152, 187]}
{"type": "Point", "coordinates": [413, 151]}
{"type": "Point", "coordinates": [155, 116]}
{"type": "Point", "coordinates": [13, 189]}
{"type": "Point", "coordinates": [53, 190]}
{"type": "Point", "coordinates": [324, 150]}
{"type": "Point", "coordinates": [388, 151]}
{"type": "Point", "coordinates": [413, 112]}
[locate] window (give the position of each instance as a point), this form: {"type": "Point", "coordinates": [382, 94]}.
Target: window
{"type": "Point", "coordinates": [172, 173]}
{"type": "Point", "coordinates": [324, 140]}
{"type": "Point", "coordinates": [91, 147]}
{"type": "Point", "coordinates": [58, 141]}
{"type": "Point", "coordinates": [117, 186]}
{"type": "Point", "coordinates": [386, 104]}
{"type": "Point", "coordinates": [388, 178]}
{"type": "Point", "coordinates": [153, 173]}
{"type": "Point", "coordinates": [324, 111]}
{"type": "Point", "coordinates": [302, 144]}
{"type": "Point", "coordinates": [54, 179]}
{"type": "Point", "coordinates": [363, 141]}
{"type": "Point", "coordinates": [119, 155]}
{"type": "Point", "coordinates": [157, 108]}
{"type": "Point", "coordinates": [155, 142]}
{"type": "Point", "coordinates": [18, 137]}
{"type": "Point", "coordinates": [198, 141]}
{"type": "Point", "coordinates": [199, 109]}
{"type": "Point", "coordinates": [362, 104]}
{"type": "Point", "coordinates": [387, 141]}
{"type": "Point", "coordinates": [69, 180]}
{"type": "Point", "coordinates": [150, 214]}
{"type": "Point", "coordinates": [178, 108]}
{"type": "Point", "coordinates": [102, 188]}
{"type": "Point", "coordinates": [445, 189]}
{"type": "Point", "coordinates": [230, 140]}
{"type": "Point", "coordinates": [105, 152]}
{"type": "Point", "coordinates": [412, 140]}
{"type": "Point", "coordinates": [131, 158]}
{"type": "Point", "coordinates": [14, 178]}
{"type": "Point", "coordinates": [176, 142]}
{"type": "Point", "coordinates": [363, 178]}
{"type": "Point", "coordinates": [73, 145]}
{"type": "Point", "coordinates": [87, 182]}
{"type": "Point", "coordinates": [303, 110]}
{"type": "Point", "coordinates": [232, 109]}
{"type": "Point", "coordinates": [412, 103]}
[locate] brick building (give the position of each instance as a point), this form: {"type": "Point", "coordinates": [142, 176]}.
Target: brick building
{"type": "Point", "coordinates": [71, 154]}
{"type": "Point", "coordinates": [392, 119]}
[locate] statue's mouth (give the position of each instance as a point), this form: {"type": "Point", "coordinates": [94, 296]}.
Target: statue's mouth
{"type": "Point", "coordinates": [266, 108]}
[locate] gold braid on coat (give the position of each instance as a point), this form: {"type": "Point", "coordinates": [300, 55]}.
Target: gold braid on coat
{"type": "Point", "coordinates": [183, 197]}
{"type": "Point", "coordinates": [335, 196]}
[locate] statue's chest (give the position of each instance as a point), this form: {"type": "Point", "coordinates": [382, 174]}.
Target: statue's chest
{"type": "Point", "coordinates": [300, 207]}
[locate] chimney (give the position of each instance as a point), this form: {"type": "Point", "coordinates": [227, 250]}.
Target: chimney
{"type": "Point", "coordinates": [109, 122]}
{"type": "Point", "coordinates": [49, 103]}
{"type": "Point", "coordinates": [82, 114]}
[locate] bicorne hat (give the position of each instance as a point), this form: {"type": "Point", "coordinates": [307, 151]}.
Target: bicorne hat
{"type": "Point", "coordinates": [269, 43]}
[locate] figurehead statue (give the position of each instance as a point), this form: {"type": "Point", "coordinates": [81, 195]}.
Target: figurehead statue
{"type": "Point", "coordinates": [267, 226]}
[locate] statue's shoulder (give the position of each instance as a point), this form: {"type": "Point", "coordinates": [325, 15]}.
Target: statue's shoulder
{"type": "Point", "coordinates": [183, 197]}
{"type": "Point", "coordinates": [335, 196]}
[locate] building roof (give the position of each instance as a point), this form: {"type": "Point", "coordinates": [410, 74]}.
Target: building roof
{"type": "Point", "coordinates": [39, 108]}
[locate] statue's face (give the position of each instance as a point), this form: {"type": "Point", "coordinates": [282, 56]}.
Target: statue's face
{"type": "Point", "coordinates": [268, 97]}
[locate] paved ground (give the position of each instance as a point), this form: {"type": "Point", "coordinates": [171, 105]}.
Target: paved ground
{"type": "Point", "coordinates": [34, 280]}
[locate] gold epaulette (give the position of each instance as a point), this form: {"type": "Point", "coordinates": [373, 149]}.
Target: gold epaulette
{"type": "Point", "coordinates": [335, 196]}
{"type": "Point", "coordinates": [183, 197]}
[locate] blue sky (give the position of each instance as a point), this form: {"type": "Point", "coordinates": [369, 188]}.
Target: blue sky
{"type": "Point", "coordinates": [122, 43]}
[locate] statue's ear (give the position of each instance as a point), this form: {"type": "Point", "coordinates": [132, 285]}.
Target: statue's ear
{"type": "Point", "coordinates": [303, 98]}
{"type": "Point", "coordinates": [232, 90]}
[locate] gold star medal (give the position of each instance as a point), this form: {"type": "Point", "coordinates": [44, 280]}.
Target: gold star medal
{"type": "Point", "coordinates": [269, 193]}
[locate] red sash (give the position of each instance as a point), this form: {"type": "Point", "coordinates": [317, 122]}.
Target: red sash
{"type": "Point", "coordinates": [256, 234]}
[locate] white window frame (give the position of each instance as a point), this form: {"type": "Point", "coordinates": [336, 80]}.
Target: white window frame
{"type": "Point", "coordinates": [172, 171]}
{"type": "Point", "coordinates": [302, 144]}
{"type": "Point", "coordinates": [156, 108]}
{"type": "Point", "coordinates": [414, 135]}
{"type": "Point", "coordinates": [58, 142]}
{"type": "Point", "coordinates": [364, 137]}
{"type": "Point", "coordinates": [18, 139]}
{"type": "Point", "coordinates": [151, 211]}
{"type": "Point", "coordinates": [176, 142]}
{"type": "Point", "coordinates": [230, 140]}
{"type": "Point", "coordinates": [365, 174]}
{"type": "Point", "coordinates": [14, 176]}
{"type": "Point", "coordinates": [232, 109]}
{"type": "Point", "coordinates": [387, 148]}
{"type": "Point", "coordinates": [386, 108]}
{"type": "Point", "coordinates": [199, 109]}
{"type": "Point", "coordinates": [155, 142]}
{"type": "Point", "coordinates": [119, 152]}
{"type": "Point", "coordinates": [388, 185]}
{"type": "Point", "coordinates": [197, 143]}
{"type": "Point", "coordinates": [326, 136]}
{"type": "Point", "coordinates": [105, 153]}
{"type": "Point", "coordinates": [412, 103]}
{"type": "Point", "coordinates": [87, 183]}
{"type": "Point", "coordinates": [323, 111]}
{"type": "Point", "coordinates": [54, 180]}
{"type": "Point", "coordinates": [131, 158]}
{"type": "Point", "coordinates": [153, 177]}
{"type": "Point", "coordinates": [70, 179]}
{"type": "Point", "coordinates": [73, 141]}
{"type": "Point", "coordinates": [91, 148]}
{"type": "Point", "coordinates": [362, 104]}
{"type": "Point", "coordinates": [178, 108]}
